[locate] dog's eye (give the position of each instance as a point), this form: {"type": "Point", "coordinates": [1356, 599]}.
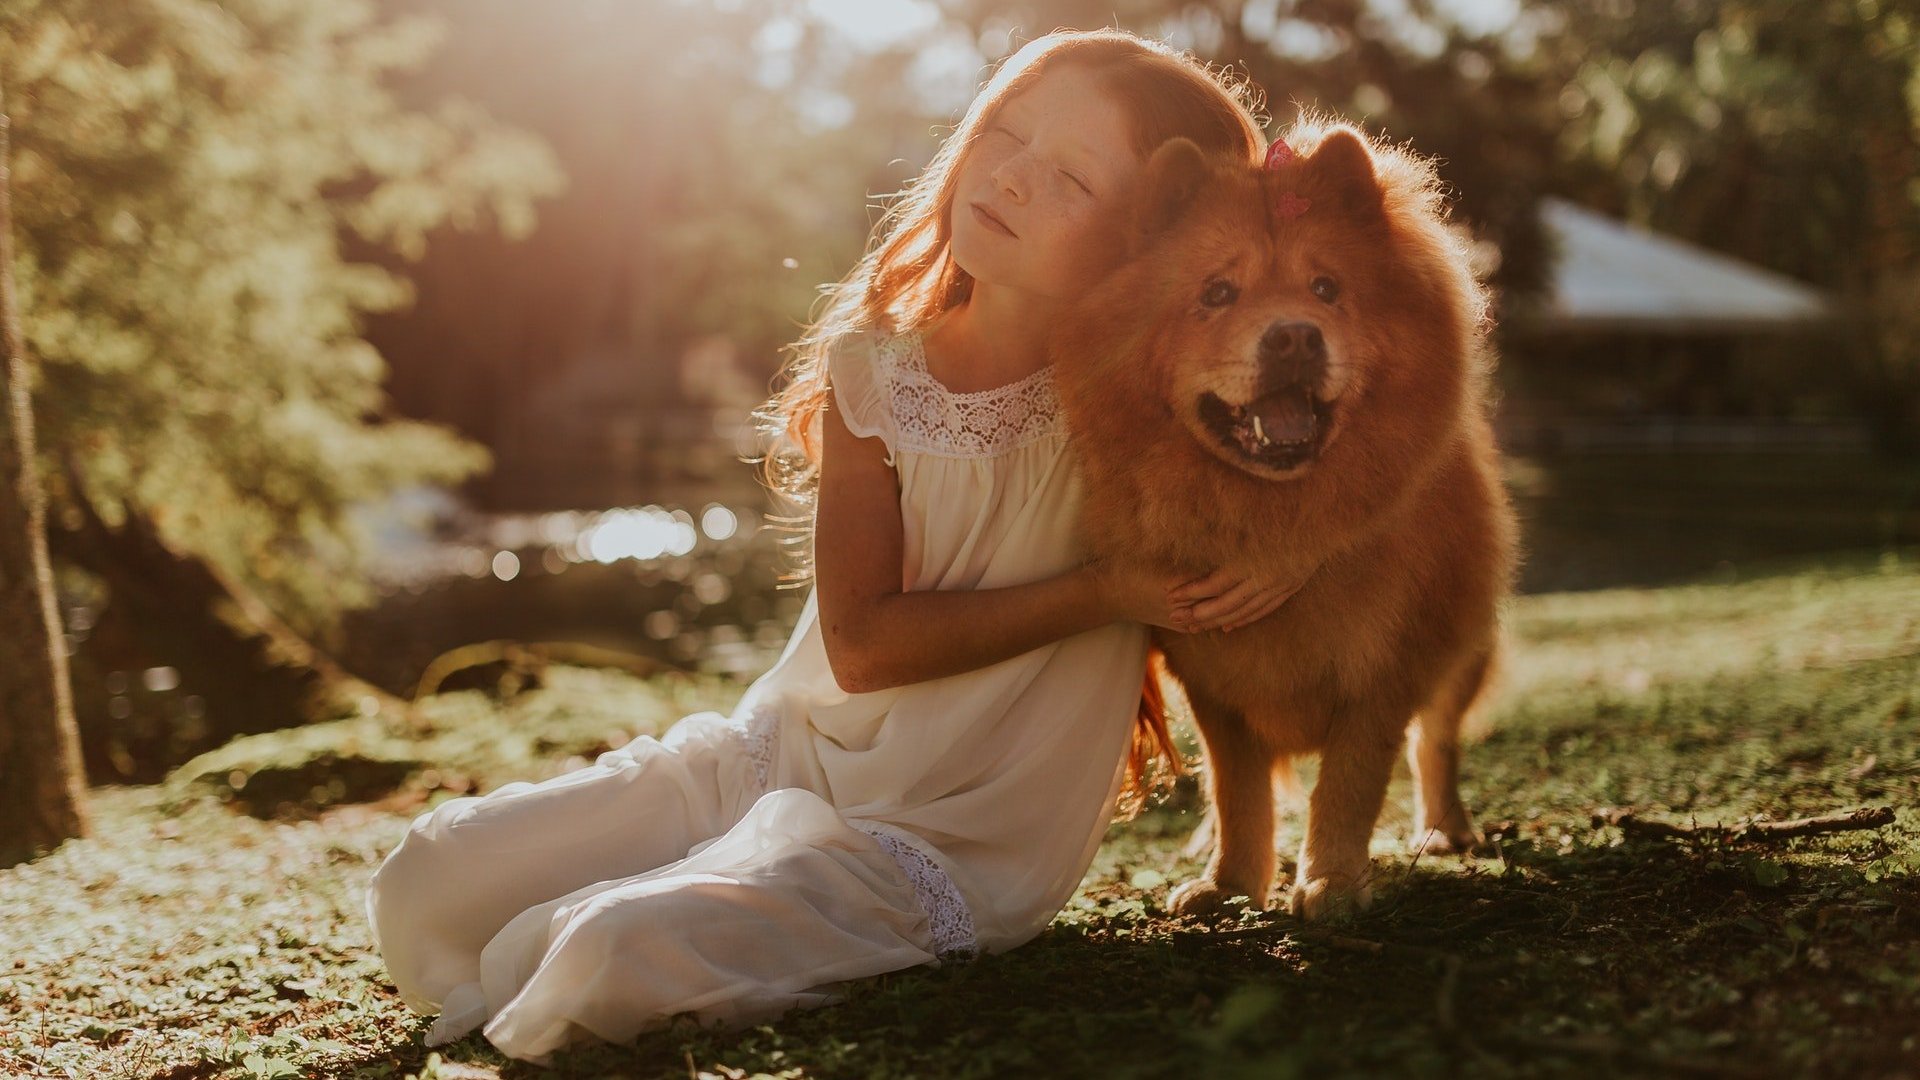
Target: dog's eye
{"type": "Point", "coordinates": [1326, 288]}
{"type": "Point", "coordinates": [1220, 294]}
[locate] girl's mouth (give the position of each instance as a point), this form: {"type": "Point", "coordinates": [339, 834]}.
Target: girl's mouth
{"type": "Point", "coordinates": [986, 218]}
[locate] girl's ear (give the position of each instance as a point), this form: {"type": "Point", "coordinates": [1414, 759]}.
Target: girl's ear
{"type": "Point", "coordinates": [1344, 166]}
{"type": "Point", "coordinates": [1174, 176]}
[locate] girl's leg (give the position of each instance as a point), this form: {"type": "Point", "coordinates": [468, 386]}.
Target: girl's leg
{"type": "Point", "coordinates": [771, 916]}
{"type": "Point", "coordinates": [468, 866]}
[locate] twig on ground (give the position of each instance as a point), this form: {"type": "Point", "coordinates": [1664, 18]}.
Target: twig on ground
{"type": "Point", "coordinates": [1425, 839]}
{"type": "Point", "coordinates": [1868, 817]}
{"type": "Point", "coordinates": [1230, 935]}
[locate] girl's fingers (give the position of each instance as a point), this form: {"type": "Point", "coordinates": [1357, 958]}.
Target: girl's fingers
{"type": "Point", "coordinates": [1222, 610]}
{"type": "Point", "coordinates": [1258, 608]}
{"type": "Point", "coordinates": [1201, 587]}
{"type": "Point", "coordinates": [1219, 600]}
{"type": "Point", "coordinates": [1267, 608]}
{"type": "Point", "coordinates": [1252, 608]}
{"type": "Point", "coordinates": [1233, 599]}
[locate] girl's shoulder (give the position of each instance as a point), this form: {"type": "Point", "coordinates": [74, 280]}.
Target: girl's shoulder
{"type": "Point", "coordinates": [860, 378]}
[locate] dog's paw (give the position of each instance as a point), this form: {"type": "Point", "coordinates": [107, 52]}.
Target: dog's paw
{"type": "Point", "coordinates": [1204, 896]}
{"type": "Point", "coordinates": [1322, 898]}
{"type": "Point", "coordinates": [1456, 840]}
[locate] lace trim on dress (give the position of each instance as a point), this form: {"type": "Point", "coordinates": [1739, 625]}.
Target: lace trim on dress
{"type": "Point", "coordinates": [948, 917]}
{"type": "Point", "coordinates": [761, 731]}
{"type": "Point", "coordinates": [932, 419]}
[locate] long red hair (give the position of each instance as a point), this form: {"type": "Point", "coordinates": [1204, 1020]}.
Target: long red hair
{"type": "Point", "coordinates": [907, 278]}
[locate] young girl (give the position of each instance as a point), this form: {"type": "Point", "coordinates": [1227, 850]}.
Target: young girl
{"type": "Point", "coordinates": [931, 764]}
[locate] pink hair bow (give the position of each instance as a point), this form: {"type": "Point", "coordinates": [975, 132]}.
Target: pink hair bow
{"type": "Point", "coordinates": [1288, 205]}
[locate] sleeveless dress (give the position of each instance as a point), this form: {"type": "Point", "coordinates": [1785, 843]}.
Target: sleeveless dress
{"type": "Point", "coordinates": [741, 865]}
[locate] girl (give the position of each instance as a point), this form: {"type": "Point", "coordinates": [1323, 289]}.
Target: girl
{"type": "Point", "coordinates": [930, 765]}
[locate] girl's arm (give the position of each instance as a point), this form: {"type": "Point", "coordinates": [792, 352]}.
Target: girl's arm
{"type": "Point", "coordinates": [878, 635]}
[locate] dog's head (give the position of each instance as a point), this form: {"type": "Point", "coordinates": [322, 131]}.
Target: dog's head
{"type": "Point", "coordinates": [1283, 316]}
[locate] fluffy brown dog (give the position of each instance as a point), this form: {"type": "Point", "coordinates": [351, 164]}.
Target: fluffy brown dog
{"type": "Point", "coordinates": [1287, 374]}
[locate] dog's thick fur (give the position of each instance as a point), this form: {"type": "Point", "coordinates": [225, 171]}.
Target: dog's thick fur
{"type": "Point", "coordinates": [1393, 512]}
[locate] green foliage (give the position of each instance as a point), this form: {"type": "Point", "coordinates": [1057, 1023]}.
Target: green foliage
{"type": "Point", "coordinates": [1785, 132]}
{"type": "Point", "coordinates": [184, 170]}
{"type": "Point", "coordinates": [450, 743]}
{"type": "Point", "coordinates": [721, 162]}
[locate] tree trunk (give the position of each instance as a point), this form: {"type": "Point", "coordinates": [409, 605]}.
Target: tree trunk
{"type": "Point", "coordinates": [42, 781]}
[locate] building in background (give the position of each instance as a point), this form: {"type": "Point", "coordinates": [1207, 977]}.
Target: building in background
{"type": "Point", "coordinates": [1644, 341]}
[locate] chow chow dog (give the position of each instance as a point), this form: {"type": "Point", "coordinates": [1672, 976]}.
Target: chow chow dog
{"type": "Point", "coordinates": [1286, 373]}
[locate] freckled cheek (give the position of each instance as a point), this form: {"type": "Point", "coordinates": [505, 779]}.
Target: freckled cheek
{"type": "Point", "coordinates": [1089, 243]}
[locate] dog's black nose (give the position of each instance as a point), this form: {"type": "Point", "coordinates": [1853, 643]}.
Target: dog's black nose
{"type": "Point", "coordinates": [1292, 353]}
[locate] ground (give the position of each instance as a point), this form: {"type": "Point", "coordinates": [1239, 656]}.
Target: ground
{"type": "Point", "coordinates": [214, 926]}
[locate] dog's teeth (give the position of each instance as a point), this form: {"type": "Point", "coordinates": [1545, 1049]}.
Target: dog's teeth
{"type": "Point", "coordinates": [1258, 431]}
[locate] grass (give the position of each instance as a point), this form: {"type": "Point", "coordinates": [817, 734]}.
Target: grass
{"type": "Point", "coordinates": [213, 926]}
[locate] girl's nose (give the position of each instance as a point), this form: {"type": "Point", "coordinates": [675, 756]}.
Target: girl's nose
{"type": "Point", "coordinates": [1010, 177]}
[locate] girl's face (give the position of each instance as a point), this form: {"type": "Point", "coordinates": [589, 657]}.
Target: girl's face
{"type": "Point", "coordinates": [1055, 166]}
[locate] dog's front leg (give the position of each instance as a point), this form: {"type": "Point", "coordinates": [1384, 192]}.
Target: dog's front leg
{"type": "Point", "coordinates": [1240, 780]}
{"type": "Point", "coordinates": [1355, 766]}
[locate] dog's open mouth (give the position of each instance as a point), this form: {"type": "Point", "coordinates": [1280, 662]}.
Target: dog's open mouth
{"type": "Point", "coordinates": [1281, 430]}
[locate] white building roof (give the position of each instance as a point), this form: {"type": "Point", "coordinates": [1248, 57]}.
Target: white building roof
{"type": "Point", "coordinates": [1614, 276]}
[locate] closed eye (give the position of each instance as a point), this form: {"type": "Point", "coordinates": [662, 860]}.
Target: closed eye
{"type": "Point", "coordinates": [1002, 128]}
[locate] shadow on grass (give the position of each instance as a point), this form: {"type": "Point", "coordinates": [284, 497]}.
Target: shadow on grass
{"type": "Point", "coordinates": [1603, 958]}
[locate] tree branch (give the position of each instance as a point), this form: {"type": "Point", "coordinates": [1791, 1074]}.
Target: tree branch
{"type": "Point", "coordinates": [1867, 817]}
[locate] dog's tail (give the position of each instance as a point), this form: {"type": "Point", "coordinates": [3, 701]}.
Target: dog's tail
{"type": "Point", "coordinates": [1153, 760]}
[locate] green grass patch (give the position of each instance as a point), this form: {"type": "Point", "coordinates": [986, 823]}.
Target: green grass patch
{"type": "Point", "coordinates": [208, 932]}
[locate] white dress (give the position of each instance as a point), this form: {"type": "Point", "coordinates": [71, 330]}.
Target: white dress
{"type": "Point", "coordinates": [739, 866]}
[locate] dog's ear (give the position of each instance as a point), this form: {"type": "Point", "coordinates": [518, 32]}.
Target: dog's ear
{"type": "Point", "coordinates": [1174, 176]}
{"type": "Point", "coordinates": [1344, 166]}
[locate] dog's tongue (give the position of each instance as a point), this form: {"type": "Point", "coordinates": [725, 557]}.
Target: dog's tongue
{"type": "Point", "coordinates": [1285, 416]}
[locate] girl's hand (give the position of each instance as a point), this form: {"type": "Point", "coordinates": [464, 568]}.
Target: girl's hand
{"type": "Point", "coordinates": [1227, 600]}
{"type": "Point", "coordinates": [1138, 594]}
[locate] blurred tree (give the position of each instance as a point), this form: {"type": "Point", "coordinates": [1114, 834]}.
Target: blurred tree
{"type": "Point", "coordinates": [184, 171]}
{"type": "Point", "coordinates": [1786, 132]}
{"type": "Point", "coordinates": [42, 782]}
{"type": "Point", "coordinates": [715, 155]}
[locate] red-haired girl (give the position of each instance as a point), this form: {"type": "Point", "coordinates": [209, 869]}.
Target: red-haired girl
{"type": "Point", "coordinates": [931, 764]}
